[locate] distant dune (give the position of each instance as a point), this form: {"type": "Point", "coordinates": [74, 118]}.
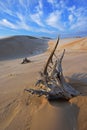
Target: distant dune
{"type": "Point", "coordinates": [20, 46]}
{"type": "Point", "coordinates": [78, 44]}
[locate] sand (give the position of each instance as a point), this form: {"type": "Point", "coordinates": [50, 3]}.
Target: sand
{"type": "Point", "coordinates": [21, 46]}
{"type": "Point", "coordinates": [21, 111]}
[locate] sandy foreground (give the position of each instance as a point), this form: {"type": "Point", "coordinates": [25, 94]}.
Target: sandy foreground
{"type": "Point", "coordinates": [21, 111]}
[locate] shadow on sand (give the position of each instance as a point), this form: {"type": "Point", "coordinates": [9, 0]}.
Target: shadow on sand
{"type": "Point", "coordinates": [56, 115]}
{"type": "Point", "coordinates": [79, 81]}
{"type": "Point", "coordinates": [60, 114]}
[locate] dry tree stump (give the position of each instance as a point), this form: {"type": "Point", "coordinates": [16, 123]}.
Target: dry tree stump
{"type": "Point", "coordinates": [52, 78]}
{"type": "Point", "coordinates": [25, 61]}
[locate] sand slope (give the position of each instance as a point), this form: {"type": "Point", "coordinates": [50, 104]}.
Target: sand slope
{"type": "Point", "coordinates": [80, 44]}
{"type": "Point", "coordinates": [21, 111]}
{"type": "Point", "coordinates": [20, 46]}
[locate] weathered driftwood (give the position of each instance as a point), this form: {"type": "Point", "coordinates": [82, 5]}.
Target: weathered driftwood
{"type": "Point", "coordinates": [25, 60]}
{"type": "Point", "coordinates": [52, 81]}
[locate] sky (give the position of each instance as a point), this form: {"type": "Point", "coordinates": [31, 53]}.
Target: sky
{"type": "Point", "coordinates": [48, 18]}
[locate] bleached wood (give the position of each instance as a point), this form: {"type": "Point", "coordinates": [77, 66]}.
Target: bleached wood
{"type": "Point", "coordinates": [53, 80]}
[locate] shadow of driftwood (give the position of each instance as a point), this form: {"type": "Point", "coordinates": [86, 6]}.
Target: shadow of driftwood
{"type": "Point", "coordinates": [80, 76]}
{"type": "Point", "coordinates": [69, 114]}
{"type": "Point", "coordinates": [79, 81]}
{"type": "Point", "coordinates": [56, 115]}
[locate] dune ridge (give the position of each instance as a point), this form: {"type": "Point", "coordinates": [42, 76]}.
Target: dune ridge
{"type": "Point", "coordinates": [21, 46]}
{"type": "Point", "coordinates": [80, 44]}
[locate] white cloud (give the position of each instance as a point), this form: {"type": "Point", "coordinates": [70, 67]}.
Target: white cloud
{"type": "Point", "coordinates": [21, 20]}
{"type": "Point", "coordinates": [17, 25]}
{"type": "Point", "coordinates": [62, 17]}
{"type": "Point", "coordinates": [24, 5]}
{"type": "Point", "coordinates": [24, 26]}
{"type": "Point", "coordinates": [72, 9]}
{"type": "Point", "coordinates": [36, 19]}
{"type": "Point", "coordinates": [54, 20]}
{"type": "Point", "coordinates": [6, 23]}
{"type": "Point", "coordinates": [80, 18]}
{"type": "Point", "coordinates": [21, 25]}
{"type": "Point", "coordinates": [71, 18]}
{"type": "Point", "coordinates": [37, 16]}
{"type": "Point", "coordinates": [4, 8]}
{"type": "Point", "coordinates": [20, 16]}
{"type": "Point", "coordinates": [40, 4]}
{"type": "Point", "coordinates": [39, 8]}
{"type": "Point", "coordinates": [80, 24]}
{"type": "Point", "coordinates": [62, 4]}
{"type": "Point", "coordinates": [57, 5]}
{"type": "Point", "coordinates": [43, 30]}
{"type": "Point", "coordinates": [51, 1]}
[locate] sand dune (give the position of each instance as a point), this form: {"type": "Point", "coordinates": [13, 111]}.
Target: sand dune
{"type": "Point", "coordinates": [80, 44]}
{"type": "Point", "coordinates": [20, 46]}
{"type": "Point", "coordinates": [21, 111]}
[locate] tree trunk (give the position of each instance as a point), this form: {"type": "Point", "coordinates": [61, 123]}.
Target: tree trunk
{"type": "Point", "coordinates": [55, 85]}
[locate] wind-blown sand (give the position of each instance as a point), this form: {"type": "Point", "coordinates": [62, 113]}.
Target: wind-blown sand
{"type": "Point", "coordinates": [21, 111]}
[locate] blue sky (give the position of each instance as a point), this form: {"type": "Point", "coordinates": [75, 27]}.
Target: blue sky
{"type": "Point", "coordinates": [43, 17]}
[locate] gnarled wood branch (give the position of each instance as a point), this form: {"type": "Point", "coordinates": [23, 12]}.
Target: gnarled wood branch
{"type": "Point", "coordinates": [53, 81]}
{"type": "Point", "coordinates": [50, 57]}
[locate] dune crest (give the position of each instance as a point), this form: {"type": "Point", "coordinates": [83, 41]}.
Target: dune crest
{"type": "Point", "coordinates": [80, 44]}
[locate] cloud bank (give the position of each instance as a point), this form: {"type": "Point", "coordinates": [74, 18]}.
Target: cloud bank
{"type": "Point", "coordinates": [50, 16]}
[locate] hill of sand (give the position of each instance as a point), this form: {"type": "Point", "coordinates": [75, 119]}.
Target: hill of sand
{"type": "Point", "coordinates": [21, 111]}
{"type": "Point", "coordinates": [21, 46]}
{"type": "Point", "coordinates": [80, 44]}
